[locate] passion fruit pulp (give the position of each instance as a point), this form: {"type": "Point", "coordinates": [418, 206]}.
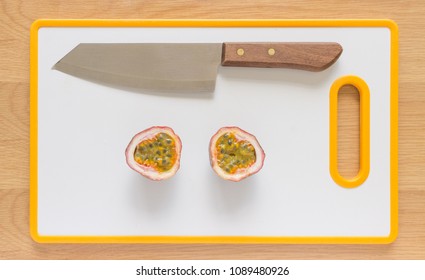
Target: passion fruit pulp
{"type": "Point", "coordinates": [155, 153]}
{"type": "Point", "coordinates": [235, 154]}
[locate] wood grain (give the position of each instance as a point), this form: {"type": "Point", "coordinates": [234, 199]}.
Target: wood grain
{"type": "Point", "coordinates": [303, 56]}
{"type": "Point", "coordinates": [16, 17]}
{"type": "Point", "coordinates": [348, 131]}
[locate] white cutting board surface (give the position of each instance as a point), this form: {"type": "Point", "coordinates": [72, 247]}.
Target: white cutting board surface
{"type": "Point", "coordinates": [85, 188]}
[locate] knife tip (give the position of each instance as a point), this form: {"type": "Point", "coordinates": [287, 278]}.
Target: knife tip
{"type": "Point", "coordinates": [54, 67]}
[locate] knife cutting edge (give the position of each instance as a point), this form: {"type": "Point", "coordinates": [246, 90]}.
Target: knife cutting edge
{"type": "Point", "coordinates": [187, 66]}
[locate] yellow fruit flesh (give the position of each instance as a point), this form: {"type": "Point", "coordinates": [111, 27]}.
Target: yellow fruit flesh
{"type": "Point", "coordinates": [233, 154]}
{"type": "Point", "coordinates": [158, 152]}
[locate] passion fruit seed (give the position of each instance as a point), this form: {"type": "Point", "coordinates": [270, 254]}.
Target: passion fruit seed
{"type": "Point", "coordinates": [149, 152]}
{"type": "Point", "coordinates": [233, 154]}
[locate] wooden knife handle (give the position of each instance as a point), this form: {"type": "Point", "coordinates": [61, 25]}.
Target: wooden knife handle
{"type": "Point", "coordinates": [303, 56]}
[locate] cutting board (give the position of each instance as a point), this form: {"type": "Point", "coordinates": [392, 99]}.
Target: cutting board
{"type": "Point", "coordinates": [83, 191]}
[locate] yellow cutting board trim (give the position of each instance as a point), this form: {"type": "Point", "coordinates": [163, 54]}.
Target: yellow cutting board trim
{"type": "Point", "coordinates": [364, 94]}
{"type": "Point", "coordinates": [391, 25]}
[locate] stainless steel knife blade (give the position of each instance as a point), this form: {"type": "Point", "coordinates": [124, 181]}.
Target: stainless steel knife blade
{"type": "Point", "coordinates": [186, 66]}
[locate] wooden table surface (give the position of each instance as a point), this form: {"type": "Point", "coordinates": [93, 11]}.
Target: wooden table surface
{"type": "Point", "coordinates": [15, 20]}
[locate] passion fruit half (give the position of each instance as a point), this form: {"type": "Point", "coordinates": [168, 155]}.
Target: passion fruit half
{"type": "Point", "coordinates": [155, 153]}
{"type": "Point", "coordinates": [235, 154]}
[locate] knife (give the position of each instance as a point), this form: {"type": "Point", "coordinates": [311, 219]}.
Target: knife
{"type": "Point", "coordinates": [187, 66]}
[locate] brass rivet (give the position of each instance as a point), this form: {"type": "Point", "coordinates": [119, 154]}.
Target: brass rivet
{"type": "Point", "coordinates": [240, 52]}
{"type": "Point", "coordinates": [271, 51]}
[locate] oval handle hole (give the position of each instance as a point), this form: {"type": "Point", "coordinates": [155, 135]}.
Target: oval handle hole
{"type": "Point", "coordinates": [348, 131]}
